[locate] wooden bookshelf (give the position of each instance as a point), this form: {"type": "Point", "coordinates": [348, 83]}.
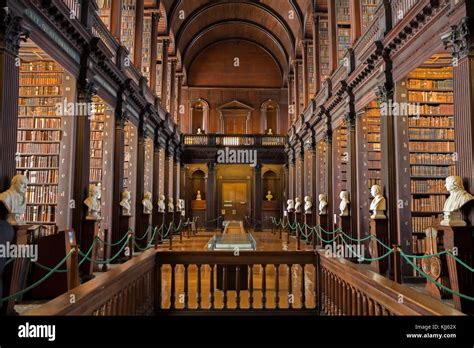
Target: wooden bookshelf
{"type": "Point", "coordinates": [42, 138]}
{"type": "Point", "coordinates": [146, 54]}
{"type": "Point", "coordinates": [369, 151]}
{"type": "Point", "coordinates": [148, 176]}
{"type": "Point", "coordinates": [159, 56]}
{"type": "Point", "coordinates": [343, 28]}
{"type": "Point", "coordinates": [341, 157]}
{"type": "Point", "coordinates": [324, 50]}
{"type": "Point", "coordinates": [321, 163]}
{"type": "Point", "coordinates": [311, 81]}
{"type": "Point", "coordinates": [431, 146]}
{"type": "Point", "coordinates": [127, 30]}
{"type": "Point", "coordinates": [105, 8]}
{"type": "Point", "coordinates": [368, 8]}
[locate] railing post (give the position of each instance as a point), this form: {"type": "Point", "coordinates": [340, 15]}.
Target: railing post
{"type": "Point", "coordinates": [318, 283]}
{"type": "Point", "coordinates": [171, 235]}
{"type": "Point", "coordinates": [157, 290]}
{"type": "Point", "coordinates": [105, 268]}
{"type": "Point", "coordinates": [397, 266]}
{"type": "Point", "coordinates": [73, 270]}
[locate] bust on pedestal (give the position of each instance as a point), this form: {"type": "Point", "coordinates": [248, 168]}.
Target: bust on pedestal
{"type": "Point", "coordinates": [344, 214]}
{"type": "Point", "coordinates": [322, 218]}
{"type": "Point", "coordinates": [269, 196]}
{"type": "Point", "coordinates": [458, 197]}
{"type": "Point", "coordinates": [161, 204]}
{"type": "Point", "coordinates": [198, 195]}
{"type": "Point", "coordinates": [298, 205]}
{"type": "Point", "coordinates": [378, 204]}
{"type": "Point", "coordinates": [378, 228]}
{"type": "Point", "coordinates": [323, 203]}
{"type": "Point", "coordinates": [14, 200]}
{"type": "Point", "coordinates": [93, 203]}
{"type": "Point", "coordinates": [147, 203]}
{"type": "Point", "coordinates": [126, 203]}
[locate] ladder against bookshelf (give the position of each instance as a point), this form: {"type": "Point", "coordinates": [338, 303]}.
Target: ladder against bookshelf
{"type": "Point", "coordinates": [431, 146]}
{"type": "Point", "coordinates": [43, 140]}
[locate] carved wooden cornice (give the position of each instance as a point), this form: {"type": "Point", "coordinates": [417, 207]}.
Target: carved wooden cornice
{"type": "Point", "coordinates": [12, 31]}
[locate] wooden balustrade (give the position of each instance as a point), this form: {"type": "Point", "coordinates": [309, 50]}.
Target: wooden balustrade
{"type": "Point", "coordinates": [99, 29]}
{"type": "Point", "coordinates": [74, 8]}
{"type": "Point", "coordinates": [400, 8]}
{"type": "Point", "coordinates": [207, 282]}
{"type": "Point", "coordinates": [233, 140]}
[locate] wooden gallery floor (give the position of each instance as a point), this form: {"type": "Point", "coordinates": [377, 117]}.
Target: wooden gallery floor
{"type": "Point", "coordinates": [266, 241]}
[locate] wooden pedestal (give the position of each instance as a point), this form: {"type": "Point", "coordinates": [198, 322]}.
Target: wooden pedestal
{"type": "Point", "coordinates": [460, 278]}
{"type": "Point", "coordinates": [344, 223]}
{"type": "Point", "coordinates": [51, 250]}
{"type": "Point", "coordinates": [90, 230]}
{"type": "Point", "coordinates": [436, 266]}
{"type": "Point", "coordinates": [379, 228]}
{"type": "Point", "coordinates": [160, 225]}
{"type": "Point", "coordinates": [14, 274]}
{"type": "Point", "coordinates": [323, 223]}
{"type": "Point", "coordinates": [308, 221]}
{"type": "Point", "coordinates": [127, 253]}
{"type": "Point", "coordinates": [170, 220]}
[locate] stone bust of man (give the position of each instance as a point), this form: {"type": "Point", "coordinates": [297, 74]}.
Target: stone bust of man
{"type": "Point", "coordinates": [298, 204]}
{"type": "Point", "coordinates": [378, 204]}
{"type": "Point", "coordinates": [161, 204]}
{"type": "Point", "coordinates": [93, 202]}
{"type": "Point", "coordinates": [14, 199]}
{"type": "Point", "coordinates": [147, 203]}
{"type": "Point", "coordinates": [170, 205]}
{"type": "Point", "coordinates": [198, 195]}
{"type": "Point", "coordinates": [307, 205]}
{"type": "Point", "coordinates": [323, 203]}
{"type": "Point", "coordinates": [126, 203]}
{"type": "Point", "coordinates": [344, 205]}
{"type": "Point", "coordinates": [458, 197]}
{"type": "Point", "coordinates": [290, 206]}
{"type": "Point", "coordinates": [269, 196]}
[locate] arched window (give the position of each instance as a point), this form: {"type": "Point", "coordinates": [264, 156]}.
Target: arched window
{"type": "Point", "coordinates": [199, 115]}
{"type": "Point", "coordinates": [270, 112]}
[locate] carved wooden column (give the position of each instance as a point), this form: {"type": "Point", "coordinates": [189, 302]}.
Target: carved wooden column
{"type": "Point", "coordinates": [304, 43]}
{"type": "Point", "coordinates": [156, 181]}
{"type": "Point", "coordinates": [356, 20]}
{"type": "Point", "coordinates": [258, 197]}
{"type": "Point", "coordinates": [164, 73]}
{"type": "Point", "coordinates": [166, 180]}
{"type": "Point", "coordinates": [179, 81]}
{"type": "Point", "coordinates": [176, 181]}
{"type": "Point", "coordinates": [316, 54]}
{"type": "Point", "coordinates": [139, 13]}
{"type": "Point", "coordinates": [332, 31]}
{"type": "Point", "coordinates": [211, 197]}
{"type": "Point", "coordinates": [352, 173]}
{"type": "Point", "coordinates": [296, 88]}
{"type": "Point", "coordinates": [173, 62]}
{"type": "Point", "coordinates": [291, 107]}
{"type": "Point", "coordinates": [12, 31]}
{"type": "Point", "coordinates": [155, 19]}
{"type": "Point", "coordinates": [328, 179]}
{"type": "Point", "coordinates": [116, 18]}
{"type": "Point", "coordinates": [85, 91]}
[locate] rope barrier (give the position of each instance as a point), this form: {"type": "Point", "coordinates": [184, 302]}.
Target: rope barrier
{"type": "Point", "coordinates": [101, 262]}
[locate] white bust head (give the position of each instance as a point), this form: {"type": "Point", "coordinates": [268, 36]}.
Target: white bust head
{"type": "Point", "coordinates": [170, 205]}
{"type": "Point", "coordinates": [458, 197]}
{"type": "Point", "coordinates": [378, 204]}
{"type": "Point", "coordinates": [198, 195]}
{"type": "Point", "coordinates": [147, 203]}
{"type": "Point", "coordinates": [298, 204]}
{"type": "Point", "coordinates": [161, 204]}
{"type": "Point", "coordinates": [14, 199]}
{"type": "Point", "coordinates": [93, 202]}
{"type": "Point", "coordinates": [307, 205]}
{"type": "Point", "coordinates": [344, 205]}
{"type": "Point", "coordinates": [323, 202]}
{"type": "Point", "coordinates": [126, 203]}
{"type": "Point", "coordinates": [290, 205]}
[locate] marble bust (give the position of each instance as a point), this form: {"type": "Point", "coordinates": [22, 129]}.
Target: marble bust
{"type": "Point", "coordinates": [458, 197]}
{"type": "Point", "coordinates": [269, 196]}
{"type": "Point", "coordinates": [307, 205]}
{"type": "Point", "coordinates": [198, 195]}
{"type": "Point", "coordinates": [147, 203]}
{"type": "Point", "coordinates": [170, 205]}
{"type": "Point", "coordinates": [180, 205]}
{"type": "Point", "coordinates": [14, 199]}
{"type": "Point", "coordinates": [93, 202]}
{"type": "Point", "coordinates": [199, 130]}
{"type": "Point", "coordinates": [378, 204]}
{"type": "Point", "coordinates": [344, 205]}
{"type": "Point", "coordinates": [161, 204]}
{"type": "Point", "coordinates": [298, 204]}
{"type": "Point", "coordinates": [323, 203]}
{"type": "Point", "coordinates": [126, 203]}
{"type": "Point", "coordinates": [270, 131]}
{"type": "Point", "coordinates": [290, 206]}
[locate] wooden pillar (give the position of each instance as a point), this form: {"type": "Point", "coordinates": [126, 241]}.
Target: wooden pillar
{"type": "Point", "coordinates": [141, 220]}
{"type": "Point", "coordinates": [211, 197]}
{"type": "Point", "coordinates": [173, 62]}
{"type": "Point", "coordinates": [85, 91]}
{"type": "Point", "coordinates": [314, 177]}
{"type": "Point", "coordinates": [156, 176]}
{"type": "Point", "coordinates": [332, 31]}
{"type": "Point", "coordinates": [316, 55]}
{"type": "Point", "coordinates": [352, 174]}
{"type": "Point", "coordinates": [155, 19]}
{"type": "Point", "coordinates": [258, 197]}
{"type": "Point", "coordinates": [305, 73]}
{"type": "Point", "coordinates": [139, 14]}
{"type": "Point", "coordinates": [328, 178]}
{"type": "Point", "coordinates": [11, 32]}
{"type": "Point", "coordinates": [176, 182]}
{"type": "Point", "coordinates": [356, 20]}
{"type": "Point", "coordinates": [291, 106]}
{"type": "Point", "coordinates": [164, 73]}
{"type": "Point", "coordinates": [116, 18]}
{"type": "Point", "coordinates": [296, 93]}
{"type": "Point", "coordinates": [462, 44]}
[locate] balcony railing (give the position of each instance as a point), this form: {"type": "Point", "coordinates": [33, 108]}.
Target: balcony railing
{"type": "Point", "coordinates": [233, 140]}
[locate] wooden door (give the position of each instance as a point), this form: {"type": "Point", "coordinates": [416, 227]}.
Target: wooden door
{"type": "Point", "coordinates": [234, 125]}
{"type": "Point", "coordinates": [234, 201]}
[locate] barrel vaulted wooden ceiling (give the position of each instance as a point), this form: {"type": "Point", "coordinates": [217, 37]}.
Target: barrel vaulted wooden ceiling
{"type": "Point", "coordinates": [277, 26]}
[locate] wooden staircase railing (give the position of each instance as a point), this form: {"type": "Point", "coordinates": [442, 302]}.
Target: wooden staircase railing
{"type": "Point", "coordinates": [244, 282]}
